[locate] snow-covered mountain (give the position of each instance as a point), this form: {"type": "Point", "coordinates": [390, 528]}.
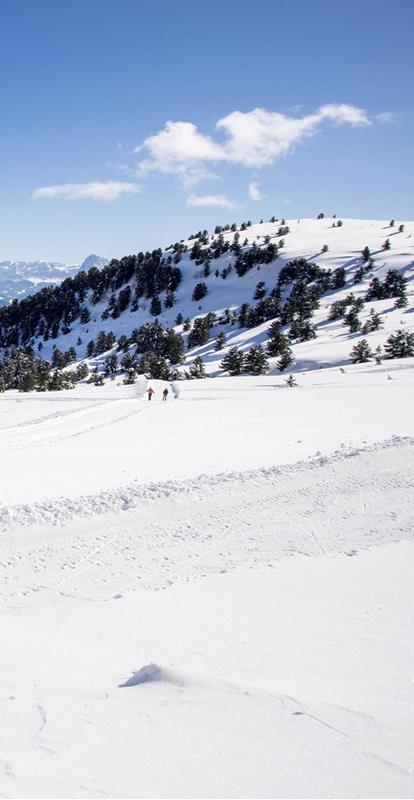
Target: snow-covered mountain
{"type": "Point", "coordinates": [18, 279]}
{"type": "Point", "coordinates": [124, 299]}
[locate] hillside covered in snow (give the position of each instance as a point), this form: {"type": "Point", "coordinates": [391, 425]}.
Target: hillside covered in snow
{"type": "Point", "coordinates": [252, 298]}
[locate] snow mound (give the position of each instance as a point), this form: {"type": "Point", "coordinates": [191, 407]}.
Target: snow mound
{"type": "Point", "coordinates": [155, 673]}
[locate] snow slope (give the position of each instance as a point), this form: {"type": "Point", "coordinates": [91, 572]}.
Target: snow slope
{"type": "Point", "coordinates": [305, 239]}
{"type": "Point", "coordinates": [209, 597]}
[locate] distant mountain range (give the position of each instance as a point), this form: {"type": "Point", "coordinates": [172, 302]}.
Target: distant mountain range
{"type": "Point", "coordinates": [18, 279]}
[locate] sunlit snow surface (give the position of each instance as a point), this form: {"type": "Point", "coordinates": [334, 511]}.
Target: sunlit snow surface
{"type": "Point", "coordinates": [209, 597]}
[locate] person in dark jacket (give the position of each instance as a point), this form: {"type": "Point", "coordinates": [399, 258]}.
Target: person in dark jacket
{"type": "Point", "coordinates": [165, 394]}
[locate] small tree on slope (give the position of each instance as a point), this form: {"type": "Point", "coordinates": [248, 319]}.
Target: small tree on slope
{"type": "Point", "coordinates": [400, 344]}
{"type": "Point", "coordinates": [233, 361]}
{"type": "Point", "coordinates": [285, 360]}
{"type": "Point", "coordinates": [255, 360]}
{"type": "Point", "coordinates": [361, 352]}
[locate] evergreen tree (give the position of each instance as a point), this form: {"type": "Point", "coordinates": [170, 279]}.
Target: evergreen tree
{"type": "Point", "coordinates": [255, 360]}
{"type": "Point", "coordinates": [199, 335]}
{"type": "Point", "coordinates": [361, 352]}
{"type": "Point", "coordinates": [325, 248]}
{"type": "Point", "coordinates": [111, 365]}
{"type": "Point", "coordinates": [277, 342]}
{"type": "Point", "coordinates": [401, 300]}
{"type": "Point", "coordinates": [179, 319]}
{"type": "Point", "coordinates": [400, 344]}
{"type": "Point", "coordinates": [90, 349]}
{"type": "Point", "coordinates": [260, 291]}
{"type": "Point", "coordinates": [352, 320]}
{"type": "Point", "coordinates": [200, 291]}
{"type": "Point", "coordinates": [338, 278]}
{"type": "Point", "coordinates": [359, 275]}
{"type": "Point", "coordinates": [27, 382]}
{"type": "Point", "coordinates": [401, 229]}
{"type": "Point", "coordinates": [366, 254]}
{"type": "Point", "coordinates": [286, 360]}
{"type": "Point", "coordinates": [173, 348]}
{"type": "Point", "coordinates": [220, 341]}
{"type": "Point", "coordinates": [233, 361]}
{"type": "Point", "coordinates": [82, 372]}
{"type": "Point", "coordinates": [386, 245]}
{"type": "Point", "coordinates": [130, 377]}
{"type": "Point", "coordinates": [197, 368]}
{"type": "Point", "coordinates": [373, 323]}
{"type": "Point", "coordinates": [155, 307]}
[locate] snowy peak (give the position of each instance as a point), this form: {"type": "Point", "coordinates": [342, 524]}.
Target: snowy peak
{"type": "Point", "coordinates": [18, 279]}
{"type": "Point", "coordinates": [94, 261]}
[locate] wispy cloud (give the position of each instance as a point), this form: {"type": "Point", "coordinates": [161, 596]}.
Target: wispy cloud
{"type": "Point", "coordinates": [385, 117]}
{"type": "Point", "coordinates": [105, 191]}
{"type": "Point", "coordinates": [254, 138]}
{"type": "Point", "coordinates": [209, 200]}
{"type": "Point", "coordinates": [255, 192]}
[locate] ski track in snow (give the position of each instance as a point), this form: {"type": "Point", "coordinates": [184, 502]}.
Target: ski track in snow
{"type": "Point", "coordinates": [119, 541]}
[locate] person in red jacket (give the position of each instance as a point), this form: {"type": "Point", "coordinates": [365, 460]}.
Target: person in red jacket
{"type": "Point", "coordinates": [150, 392]}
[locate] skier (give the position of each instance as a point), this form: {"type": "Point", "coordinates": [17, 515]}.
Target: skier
{"type": "Point", "coordinates": [165, 394]}
{"type": "Point", "coordinates": [150, 392]}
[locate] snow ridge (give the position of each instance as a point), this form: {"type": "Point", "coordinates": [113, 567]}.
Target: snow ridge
{"type": "Point", "coordinates": [64, 509]}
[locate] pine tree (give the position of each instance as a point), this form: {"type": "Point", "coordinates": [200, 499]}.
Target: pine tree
{"type": "Point", "coordinates": [400, 344]}
{"type": "Point", "coordinates": [179, 319]}
{"type": "Point", "coordinates": [366, 253]}
{"type": "Point", "coordinates": [402, 299]}
{"type": "Point", "coordinates": [338, 278]}
{"type": "Point", "coordinates": [27, 382]}
{"type": "Point", "coordinates": [386, 245]}
{"type": "Point", "coordinates": [155, 307]}
{"type": "Point", "coordinates": [373, 323]}
{"type": "Point", "coordinates": [130, 377]}
{"type": "Point", "coordinates": [200, 291]}
{"type": "Point", "coordinates": [111, 365]}
{"type": "Point", "coordinates": [220, 341]}
{"type": "Point", "coordinates": [233, 361]}
{"type": "Point", "coordinates": [260, 291]}
{"type": "Point", "coordinates": [325, 248]}
{"type": "Point", "coordinates": [361, 352]}
{"type": "Point", "coordinates": [401, 229]}
{"type": "Point", "coordinates": [255, 361]}
{"type": "Point", "coordinates": [359, 275]}
{"type": "Point", "coordinates": [286, 360]}
{"type": "Point", "coordinates": [197, 368]}
{"type": "Point", "coordinates": [352, 320]}
{"type": "Point", "coordinates": [278, 342]}
{"type": "Point", "coordinates": [82, 372]}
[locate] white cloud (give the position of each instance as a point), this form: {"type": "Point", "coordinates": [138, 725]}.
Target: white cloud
{"type": "Point", "coordinates": [95, 190]}
{"type": "Point", "coordinates": [254, 192]}
{"type": "Point", "coordinates": [209, 200]}
{"type": "Point", "coordinates": [254, 138]}
{"type": "Point", "coordinates": [178, 147]}
{"type": "Point", "coordinates": [386, 116]}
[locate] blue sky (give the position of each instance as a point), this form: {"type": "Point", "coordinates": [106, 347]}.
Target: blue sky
{"type": "Point", "coordinates": [289, 108]}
